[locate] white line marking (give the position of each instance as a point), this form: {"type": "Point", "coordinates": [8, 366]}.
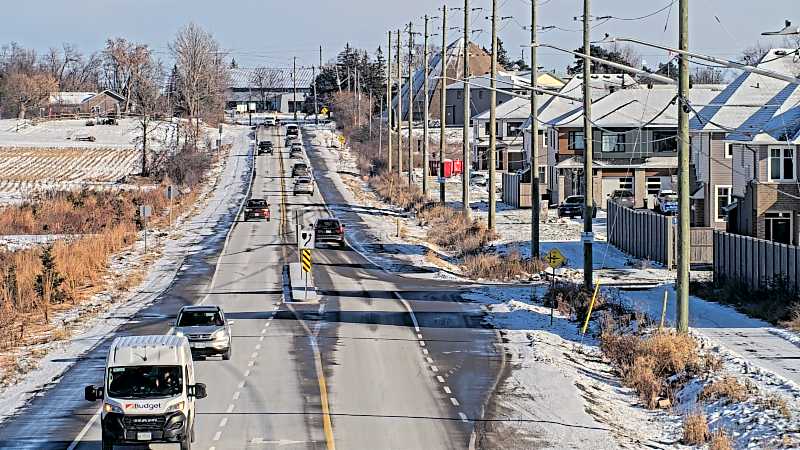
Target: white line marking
{"type": "Point", "coordinates": [454, 401]}
{"type": "Point", "coordinates": [236, 395]}
{"type": "Point", "coordinates": [422, 343]}
{"type": "Point", "coordinates": [439, 377]}
{"type": "Point", "coordinates": [254, 355]}
{"type": "Point", "coordinates": [419, 335]}
{"type": "Point", "coordinates": [215, 448]}
{"type": "Point", "coordinates": [230, 408]}
{"type": "Point", "coordinates": [266, 324]}
{"type": "Point", "coordinates": [223, 422]}
{"type": "Point", "coordinates": [247, 373]}
{"type": "Point", "coordinates": [424, 351]}
{"type": "Point", "coordinates": [434, 369]}
{"type": "Point", "coordinates": [250, 364]}
{"type": "Point", "coordinates": [241, 385]}
{"type": "Point", "coordinates": [217, 435]}
{"type": "Point", "coordinates": [429, 359]}
{"type": "Point", "coordinates": [264, 331]}
{"type": "Point", "coordinates": [84, 430]}
{"type": "Point", "coordinates": [261, 339]}
{"type": "Point", "coordinates": [258, 346]}
{"type": "Point", "coordinates": [447, 390]}
{"type": "Point", "coordinates": [463, 417]}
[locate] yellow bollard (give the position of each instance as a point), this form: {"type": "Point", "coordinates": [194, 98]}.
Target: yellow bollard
{"type": "Point", "coordinates": [591, 305]}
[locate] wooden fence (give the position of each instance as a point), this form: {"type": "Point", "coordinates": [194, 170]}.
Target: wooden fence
{"type": "Point", "coordinates": [756, 262]}
{"type": "Point", "coordinates": [645, 234]}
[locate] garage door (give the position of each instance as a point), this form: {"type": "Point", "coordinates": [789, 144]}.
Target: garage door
{"type": "Point", "coordinates": [611, 184]}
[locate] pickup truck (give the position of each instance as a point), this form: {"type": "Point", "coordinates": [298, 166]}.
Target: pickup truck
{"type": "Point", "coordinates": [257, 208]}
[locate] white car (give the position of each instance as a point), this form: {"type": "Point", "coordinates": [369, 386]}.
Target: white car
{"type": "Point", "coordinates": [479, 179]}
{"type": "Point", "coordinates": [304, 185]}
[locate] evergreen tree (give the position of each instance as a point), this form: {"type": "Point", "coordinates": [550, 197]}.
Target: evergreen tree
{"type": "Point", "coordinates": [48, 283]}
{"type": "Point", "coordinates": [234, 65]}
{"type": "Point", "coordinates": [598, 67]}
{"type": "Point", "coordinates": [502, 55]}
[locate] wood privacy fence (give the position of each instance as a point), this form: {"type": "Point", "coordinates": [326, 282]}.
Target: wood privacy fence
{"type": "Point", "coordinates": [756, 262]}
{"type": "Point", "coordinates": [645, 234]}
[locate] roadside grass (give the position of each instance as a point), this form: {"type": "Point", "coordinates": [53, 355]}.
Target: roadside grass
{"type": "Point", "coordinates": [491, 266]}
{"type": "Point", "coordinates": [720, 440]}
{"type": "Point", "coordinates": [392, 188]}
{"type": "Point", "coordinates": [777, 303]}
{"type": "Point", "coordinates": [695, 429]}
{"type": "Point", "coordinates": [727, 389]}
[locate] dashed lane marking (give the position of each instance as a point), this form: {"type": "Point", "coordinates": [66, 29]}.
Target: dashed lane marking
{"type": "Point", "coordinates": [440, 378]}
{"type": "Point", "coordinates": [429, 359]}
{"type": "Point", "coordinates": [454, 401]}
{"type": "Point", "coordinates": [223, 422]}
{"type": "Point", "coordinates": [447, 390]}
{"type": "Point", "coordinates": [247, 373]}
{"type": "Point", "coordinates": [236, 395]}
{"type": "Point", "coordinates": [230, 408]}
{"type": "Point", "coordinates": [217, 435]}
{"type": "Point", "coordinates": [434, 368]}
{"type": "Point", "coordinates": [463, 417]}
{"type": "Point", "coordinates": [241, 385]}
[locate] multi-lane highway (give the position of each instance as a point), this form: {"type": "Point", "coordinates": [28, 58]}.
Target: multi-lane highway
{"type": "Point", "coordinates": [381, 361]}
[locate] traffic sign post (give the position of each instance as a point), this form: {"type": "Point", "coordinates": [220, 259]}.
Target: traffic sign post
{"type": "Point", "coordinates": [555, 259]}
{"type": "Point", "coordinates": [171, 193]}
{"type": "Point", "coordinates": [144, 212]}
{"type": "Point", "coordinates": [306, 263]}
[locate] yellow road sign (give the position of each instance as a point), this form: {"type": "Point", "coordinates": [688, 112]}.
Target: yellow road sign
{"type": "Point", "coordinates": [324, 110]}
{"type": "Point", "coordinates": [341, 139]}
{"type": "Point", "coordinates": [554, 258]}
{"type": "Point", "coordinates": [305, 259]}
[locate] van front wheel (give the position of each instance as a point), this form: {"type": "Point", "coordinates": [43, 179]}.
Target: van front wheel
{"type": "Point", "coordinates": [186, 443]}
{"type": "Point", "coordinates": [105, 444]}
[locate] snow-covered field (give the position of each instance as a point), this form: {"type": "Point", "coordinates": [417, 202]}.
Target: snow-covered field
{"type": "Point", "coordinates": [63, 133]}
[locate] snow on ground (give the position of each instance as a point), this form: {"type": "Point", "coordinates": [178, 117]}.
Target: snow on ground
{"type": "Point", "coordinates": [16, 242]}
{"type": "Point", "coordinates": [110, 309]}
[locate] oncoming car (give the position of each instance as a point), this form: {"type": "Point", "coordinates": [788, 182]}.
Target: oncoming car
{"type": "Point", "coordinates": [206, 329]}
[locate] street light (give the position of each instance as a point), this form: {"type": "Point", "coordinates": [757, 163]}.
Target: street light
{"type": "Point", "coordinates": [722, 62]}
{"type": "Point", "coordinates": [511, 93]}
{"type": "Point", "coordinates": [788, 30]}
{"type": "Point", "coordinates": [640, 72]}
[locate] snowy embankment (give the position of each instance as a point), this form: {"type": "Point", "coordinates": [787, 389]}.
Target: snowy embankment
{"type": "Point", "coordinates": [95, 319]}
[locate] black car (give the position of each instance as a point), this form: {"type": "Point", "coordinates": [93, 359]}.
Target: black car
{"type": "Point", "coordinates": [265, 147]}
{"type": "Point", "coordinates": [329, 231]}
{"type": "Point", "coordinates": [573, 207]}
{"type": "Point", "coordinates": [300, 170]}
{"type": "Point", "coordinates": [257, 208]}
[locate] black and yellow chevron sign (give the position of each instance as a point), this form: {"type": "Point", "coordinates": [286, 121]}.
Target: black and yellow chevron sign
{"type": "Point", "coordinates": [305, 259]}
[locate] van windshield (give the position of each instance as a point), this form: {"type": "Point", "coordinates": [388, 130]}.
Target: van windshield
{"type": "Point", "coordinates": [145, 381]}
{"type": "Point", "coordinates": [200, 319]}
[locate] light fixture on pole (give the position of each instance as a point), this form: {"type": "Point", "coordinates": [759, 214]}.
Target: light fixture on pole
{"type": "Point", "coordinates": [788, 30]}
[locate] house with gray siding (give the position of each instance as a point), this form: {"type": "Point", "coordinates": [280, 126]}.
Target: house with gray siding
{"type": "Point", "coordinates": [480, 95]}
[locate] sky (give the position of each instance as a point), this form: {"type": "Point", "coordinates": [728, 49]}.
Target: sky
{"type": "Point", "coordinates": [271, 32]}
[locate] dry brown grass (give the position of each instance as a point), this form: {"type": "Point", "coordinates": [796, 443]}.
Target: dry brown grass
{"type": "Point", "coordinates": [394, 189]}
{"type": "Point", "coordinates": [777, 403]}
{"type": "Point", "coordinates": [695, 429]}
{"type": "Point", "coordinates": [646, 363]}
{"type": "Point", "coordinates": [454, 231]}
{"type": "Point", "coordinates": [728, 389]}
{"type": "Point", "coordinates": [793, 323]}
{"type": "Point", "coordinates": [720, 440]}
{"type": "Point", "coordinates": [501, 268]}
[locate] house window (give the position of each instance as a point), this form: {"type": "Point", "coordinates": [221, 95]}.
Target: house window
{"type": "Point", "coordinates": [542, 174]}
{"type": "Point", "coordinates": [778, 227]}
{"type": "Point", "coordinates": [653, 185]}
{"type": "Point", "coordinates": [781, 164]}
{"type": "Point", "coordinates": [575, 140]}
{"type": "Point", "coordinates": [488, 129]}
{"type": "Point", "coordinates": [626, 183]}
{"type": "Point", "coordinates": [544, 138]}
{"type": "Point", "coordinates": [728, 150]}
{"type": "Point", "coordinates": [723, 199]}
{"type": "Point", "coordinates": [613, 142]}
{"type": "Point", "coordinates": [665, 141]}
{"type": "Point", "coordinates": [514, 129]}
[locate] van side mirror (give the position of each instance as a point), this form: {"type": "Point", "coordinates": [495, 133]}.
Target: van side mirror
{"type": "Point", "coordinates": [92, 393]}
{"type": "Point", "coordinates": [198, 390]}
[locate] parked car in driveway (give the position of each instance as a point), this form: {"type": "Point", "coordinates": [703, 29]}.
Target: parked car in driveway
{"type": "Point", "coordinates": [479, 179]}
{"type": "Point", "coordinates": [573, 207]}
{"type": "Point", "coordinates": [623, 197]}
{"type": "Point", "coordinates": [206, 329]}
{"type": "Point", "coordinates": [667, 202]}
{"type": "Point", "coordinates": [329, 230]}
{"type": "Point", "coordinates": [257, 208]}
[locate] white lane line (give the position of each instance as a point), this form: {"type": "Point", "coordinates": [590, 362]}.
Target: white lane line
{"type": "Point", "coordinates": [261, 339]}
{"type": "Point", "coordinates": [440, 378]}
{"type": "Point", "coordinates": [223, 422]}
{"type": "Point", "coordinates": [463, 417]}
{"type": "Point", "coordinates": [236, 395]}
{"type": "Point", "coordinates": [422, 343]}
{"type": "Point", "coordinates": [258, 346]}
{"type": "Point", "coordinates": [266, 324]}
{"type": "Point", "coordinates": [434, 369]}
{"type": "Point", "coordinates": [254, 355]}
{"type": "Point", "coordinates": [447, 390]}
{"type": "Point", "coordinates": [424, 351]}
{"type": "Point", "coordinates": [217, 435]}
{"type": "Point", "coordinates": [84, 430]}
{"type": "Point", "coordinates": [250, 364]}
{"type": "Point", "coordinates": [429, 359]}
{"type": "Point", "coordinates": [454, 401]}
{"type": "Point", "coordinates": [247, 373]}
{"type": "Point", "coordinates": [230, 408]}
{"type": "Point", "coordinates": [419, 335]}
{"type": "Point", "coordinates": [215, 448]}
{"type": "Point", "coordinates": [264, 331]}
{"type": "Point", "coordinates": [241, 385]}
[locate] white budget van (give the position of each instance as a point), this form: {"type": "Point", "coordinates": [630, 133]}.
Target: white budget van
{"type": "Point", "coordinates": [148, 392]}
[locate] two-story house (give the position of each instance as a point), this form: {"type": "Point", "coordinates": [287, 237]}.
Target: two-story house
{"type": "Point", "coordinates": [634, 142]}
{"type": "Point", "coordinates": [479, 95]}
{"type": "Point", "coordinates": [736, 140]}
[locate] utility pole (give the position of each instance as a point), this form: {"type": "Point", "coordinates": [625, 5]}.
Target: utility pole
{"type": "Point", "coordinates": [684, 232]}
{"type": "Point", "coordinates": [380, 130]}
{"type": "Point", "coordinates": [399, 109]}
{"type": "Point", "coordinates": [389, 104]}
{"type": "Point", "coordinates": [587, 154]}
{"type": "Point", "coordinates": [316, 105]}
{"type": "Point", "coordinates": [410, 103]}
{"type": "Point", "coordinates": [425, 112]}
{"type": "Point", "coordinates": [442, 109]}
{"type": "Point", "coordinates": [294, 86]}
{"type": "Point", "coordinates": [467, 114]}
{"type": "Point", "coordinates": [534, 156]}
{"type": "Point", "coordinates": [493, 122]}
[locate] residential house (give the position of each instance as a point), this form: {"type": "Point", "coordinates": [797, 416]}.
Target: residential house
{"type": "Point", "coordinates": [269, 88]}
{"type": "Point", "coordinates": [104, 103]}
{"type": "Point", "coordinates": [514, 86]}
{"type": "Point", "coordinates": [744, 156]}
{"type": "Point", "coordinates": [634, 142]}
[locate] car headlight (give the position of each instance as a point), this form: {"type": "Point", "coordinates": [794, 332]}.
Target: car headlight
{"type": "Point", "coordinates": [109, 408]}
{"type": "Point", "coordinates": [176, 407]}
{"type": "Point", "coordinates": [179, 333]}
{"type": "Point", "coordinates": [219, 334]}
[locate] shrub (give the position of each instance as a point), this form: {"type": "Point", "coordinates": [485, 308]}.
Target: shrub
{"type": "Point", "coordinates": [727, 388]}
{"type": "Point", "coordinates": [720, 440]}
{"type": "Point", "coordinates": [502, 268]}
{"type": "Point", "coordinates": [572, 300]}
{"type": "Point", "coordinates": [695, 429]}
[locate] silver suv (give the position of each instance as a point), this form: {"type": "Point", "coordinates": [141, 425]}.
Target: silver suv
{"type": "Point", "coordinates": [206, 329]}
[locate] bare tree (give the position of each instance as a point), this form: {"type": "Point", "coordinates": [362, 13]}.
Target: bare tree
{"type": "Point", "coordinates": [752, 55]}
{"type": "Point", "coordinates": [150, 103]}
{"type": "Point", "coordinates": [72, 70]}
{"type": "Point", "coordinates": [123, 61]}
{"type": "Point", "coordinates": [264, 79]}
{"type": "Point", "coordinates": [28, 90]}
{"type": "Point", "coordinates": [201, 72]}
{"type": "Point", "coordinates": [707, 75]}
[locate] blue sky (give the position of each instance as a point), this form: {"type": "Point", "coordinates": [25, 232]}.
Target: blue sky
{"type": "Point", "coordinates": [270, 32]}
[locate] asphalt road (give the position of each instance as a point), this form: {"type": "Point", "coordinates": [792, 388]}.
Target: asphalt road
{"type": "Point", "coordinates": [382, 361]}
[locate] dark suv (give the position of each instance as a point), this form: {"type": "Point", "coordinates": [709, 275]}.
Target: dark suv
{"type": "Point", "coordinates": [329, 231]}
{"type": "Point", "coordinates": [265, 147]}
{"type": "Point", "coordinates": [300, 170]}
{"type": "Point", "coordinates": [573, 206]}
{"type": "Point", "coordinates": [257, 208]}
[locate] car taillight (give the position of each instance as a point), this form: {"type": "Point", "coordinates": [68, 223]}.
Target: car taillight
{"type": "Point", "coordinates": [341, 229]}
{"type": "Point", "coordinates": [266, 212]}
